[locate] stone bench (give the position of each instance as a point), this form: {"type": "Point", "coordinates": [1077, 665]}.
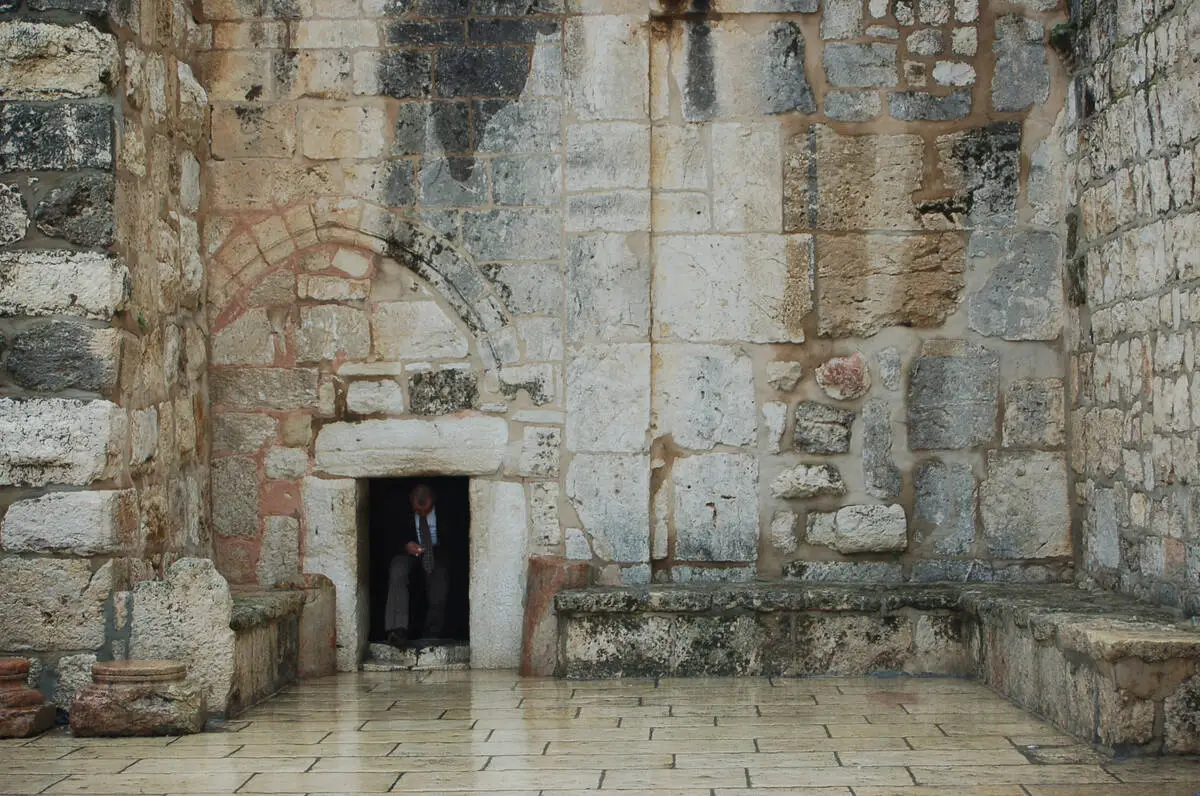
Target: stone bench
{"type": "Point", "coordinates": [1105, 668]}
{"type": "Point", "coordinates": [280, 635]}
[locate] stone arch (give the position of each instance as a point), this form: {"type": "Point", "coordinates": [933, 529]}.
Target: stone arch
{"type": "Point", "coordinates": [252, 249]}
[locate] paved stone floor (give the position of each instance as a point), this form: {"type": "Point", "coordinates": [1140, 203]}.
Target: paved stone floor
{"type": "Point", "coordinates": [488, 732]}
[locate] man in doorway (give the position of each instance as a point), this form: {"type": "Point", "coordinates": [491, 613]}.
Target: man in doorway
{"type": "Point", "coordinates": [420, 536]}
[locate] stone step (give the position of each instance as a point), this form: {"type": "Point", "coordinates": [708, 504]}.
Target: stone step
{"type": "Point", "coordinates": [386, 658]}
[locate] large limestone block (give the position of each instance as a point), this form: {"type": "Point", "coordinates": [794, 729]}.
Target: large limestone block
{"type": "Point", "coordinates": [329, 331]}
{"type": "Point", "coordinates": [611, 494]}
{"type": "Point", "coordinates": [606, 60]}
{"type": "Point", "coordinates": [752, 288]}
{"type": "Point", "coordinates": [1023, 504]}
{"type": "Point", "coordinates": [498, 589]}
{"type": "Point", "coordinates": [704, 396]}
{"type": "Point", "coordinates": [854, 182]}
{"type": "Point", "coordinates": [185, 617]}
{"type": "Point", "coordinates": [86, 284]}
{"type": "Point", "coordinates": [53, 603]}
{"type": "Point", "coordinates": [247, 340]}
{"type": "Point", "coordinates": [716, 507]}
{"type": "Point", "coordinates": [235, 496]}
{"type": "Point", "coordinates": [868, 282]}
{"type": "Point", "coordinates": [608, 398]}
{"type": "Point", "coordinates": [333, 547]}
{"type": "Point", "coordinates": [59, 441]}
{"type": "Point", "coordinates": [416, 330]}
{"type": "Point", "coordinates": [608, 287]}
{"type": "Point", "coordinates": [860, 529]}
{"type": "Point", "coordinates": [79, 523]}
{"type": "Point", "coordinates": [264, 388]}
{"type": "Point", "coordinates": [747, 186]}
{"type": "Point", "coordinates": [46, 61]}
{"type": "Point", "coordinates": [469, 445]}
{"type": "Point", "coordinates": [808, 480]}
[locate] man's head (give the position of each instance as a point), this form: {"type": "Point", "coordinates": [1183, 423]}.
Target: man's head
{"type": "Point", "coordinates": [421, 499]}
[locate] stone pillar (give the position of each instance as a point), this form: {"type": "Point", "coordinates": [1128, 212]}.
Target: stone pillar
{"type": "Point", "coordinates": [23, 712]}
{"type": "Point", "coordinates": [135, 697]}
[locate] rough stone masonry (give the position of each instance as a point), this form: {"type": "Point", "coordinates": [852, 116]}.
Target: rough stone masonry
{"type": "Point", "coordinates": [866, 291]}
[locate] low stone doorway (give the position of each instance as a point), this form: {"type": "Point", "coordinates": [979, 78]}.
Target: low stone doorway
{"type": "Point", "coordinates": [388, 508]}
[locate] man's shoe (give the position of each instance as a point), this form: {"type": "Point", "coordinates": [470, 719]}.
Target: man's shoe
{"type": "Point", "coordinates": [398, 639]}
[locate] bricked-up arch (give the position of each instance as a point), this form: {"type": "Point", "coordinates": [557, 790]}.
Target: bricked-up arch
{"type": "Point", "coordinates": [264, 240]}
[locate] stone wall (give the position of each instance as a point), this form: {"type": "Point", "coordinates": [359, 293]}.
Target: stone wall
{"type": "Point", "coordinates": [1134, 265]}
{"type": "Point", "coordinates": [103, 477]}
{"type": "Point", "coordinates": [751, 288]}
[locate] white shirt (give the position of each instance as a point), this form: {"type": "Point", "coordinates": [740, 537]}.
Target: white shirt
{"type": "Point", "coordinates": [432, 525]}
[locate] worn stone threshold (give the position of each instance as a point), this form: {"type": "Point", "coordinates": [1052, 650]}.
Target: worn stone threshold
{"type": "Point", "coordinates": [386, 658]}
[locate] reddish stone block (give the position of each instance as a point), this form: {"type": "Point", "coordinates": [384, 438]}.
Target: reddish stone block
{"type": "Point", "coordinates": [547, 576]}
{"type": "Point", "coordinates": [23, 711]}
{"type": "Point", "coordinates": [138, 698]}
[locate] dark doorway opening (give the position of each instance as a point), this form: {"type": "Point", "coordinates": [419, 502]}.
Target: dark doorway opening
{"type": "Point", "coordinates": [390, 524]}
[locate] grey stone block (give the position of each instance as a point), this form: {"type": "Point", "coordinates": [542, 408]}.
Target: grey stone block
{"type": "Point", "coordinates": [844, 572]}
{"type": "Point", "coordinates": [528, 180]}
{"type": "Point", "coordinates": [442, 392]}
{"type": "Point", "coordinates": [481, 71]}
{"type": "Point", "coordinates": [60, 355]}
{"type": "Point", "coordinates": [860, 529]}
{"type": "Point", "coordinates": [860, 65]}
{"type": "Point", "coordinates": [716, 507]}
{"type": "Point", "coordinates": [785, 85]}
{"type": "Point", "coordinates": [944, 509]}
{"type": "Point", "coordinates": [808, 480]}
{"type": "Point", "coordinates": [842, 19]}
{"type": "Point", "coordinates": [953, 393]}
{"type": "Point", "coordinates": [527, 126]}
{"type": "Point", "coordinates": [405, 74]}
{"type": "Point", "coordinates": [528, 288]}
{"type": "Point", "coordinates": [916, 106]}
{"type": "Point", "coordinates": [1022, 298]}
{"type": "Point", "coordinates": [429, 127]}
{"type": "Point", "coordinates": [1033, 414]}
{"type": "Point", "coordinates": [54, 137]}
{"type": "Point", "coordinates": [1022, 76]}
{"type": "Point", "coordinates": [235, 496]}
{"type": "Point", "coordinates": [453, 181]}
{"type": "Point", "coordinates": [397, 188]}
{"type": "Point", "coordinates": [611, 494]}
{"type": "Point", "coordinates": [880, 473]}
{"type": "Point", "coordinates": [76, 6]}
{"type": "Point", "coordinates": [822, 429]}
{"type": "Point", "coordinates": [512, 234]}
{"type": "Point", "coordinates": [1023, 503]}
{"type": "Point", "coordinates": [852, 106]}
{"type": "Point", "coordinates": [608, 284]}
{"type": "Point", "coordinates": [80, 210]}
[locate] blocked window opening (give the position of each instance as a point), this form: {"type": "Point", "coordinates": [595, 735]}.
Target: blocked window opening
{"type": "Point", "coordinates": [391, 524]}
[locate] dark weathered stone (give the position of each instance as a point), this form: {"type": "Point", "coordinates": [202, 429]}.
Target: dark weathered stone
{"type": "Point", "coordinates": [441, 392]}
{"type": "Point", "coordinates": [944, 512]}
{"type": "Point", "coordinates": [405, 74]}
{"type": "Point", "coordinates": [398, 188]}
{"type": "Point", "coordinates": [983, 165]}
{"type": "Point", "coordinates": [428, 127]}
{"type": "Point", "coordinates": [453, 181]}
{"type": "Point", "coordinates": [482, 71]}
{"type": "Point", "coordinates": [79, 210]}
{"type": "Point", "coordinates": [916, 106]}
{"type": "Point", "coordinates": [511, 31]}
{"type": "Point", "coordinates": [422, 34]}
{"type": "Point", "coordinates": [844, 571]}
{"type": "Point", "coordinates": [515, 8]}
{"type": "Point", "coordinates": [61, 355]}
{"type": "Point", "coordinates": [953, 396]}
{"type": "Point", "coordinates": [434, 9]}
{"type": "Point", "coordinates": [53, 137]}
{"type": "Point", "coordinates": [785, 85]}
{"type": "Point", "coordinates": [880, 473]}
{"type": "Point", "coordinates": [822, 429]}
